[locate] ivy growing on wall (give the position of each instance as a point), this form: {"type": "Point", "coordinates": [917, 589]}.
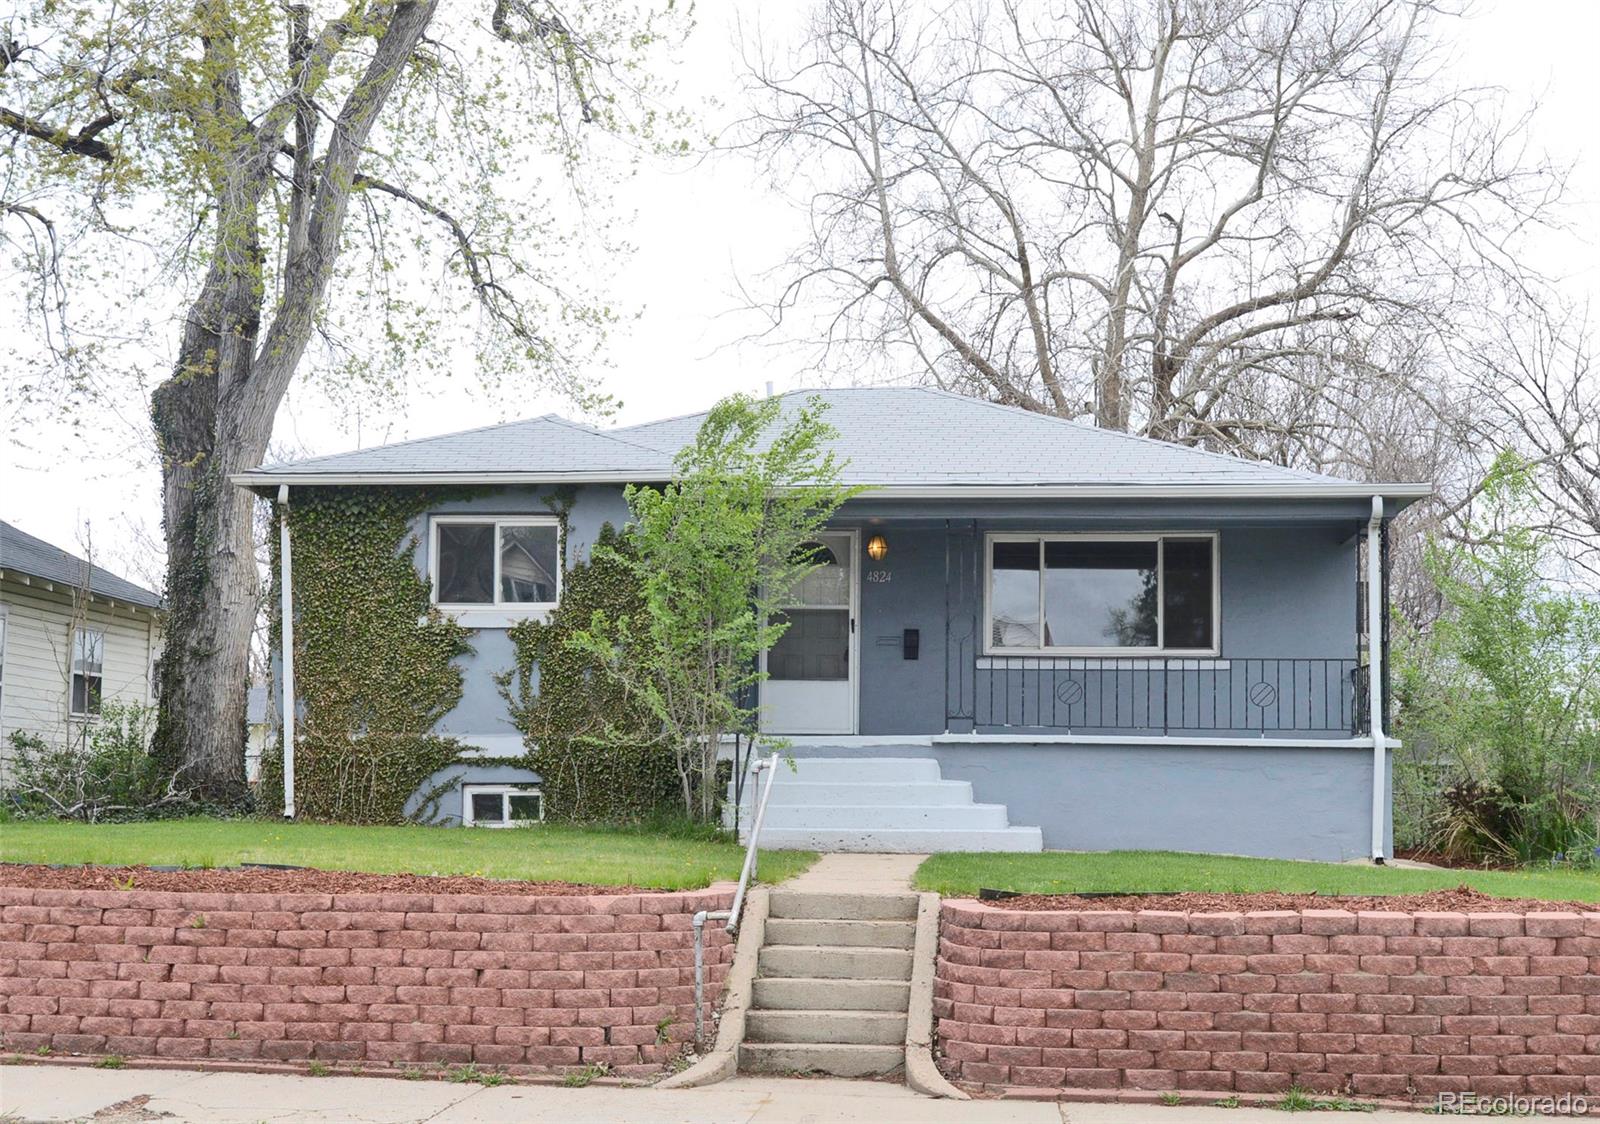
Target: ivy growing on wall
{"type": "Point", "coordinates": [374, 658]}
{"type": "Point", "coordinates": [593, 748]}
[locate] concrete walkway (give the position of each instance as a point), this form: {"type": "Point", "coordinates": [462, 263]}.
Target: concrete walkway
{"type": "Point", "coordinates": [858, 874]}
{"type": "Point", "coordinates": [58, 1093]}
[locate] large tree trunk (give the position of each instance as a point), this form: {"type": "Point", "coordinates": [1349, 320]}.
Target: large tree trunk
{"type": "Point", "coordinates": [212, 586]}
{"type": "Point", "coordinates": [212, 589]}
{"type": "Point", "coordinates": [213, 417]}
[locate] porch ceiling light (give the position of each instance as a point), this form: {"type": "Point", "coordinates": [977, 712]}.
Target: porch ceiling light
{"type": "Point", "coordinates": [877, 548]}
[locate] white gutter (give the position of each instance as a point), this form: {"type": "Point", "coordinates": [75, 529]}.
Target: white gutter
{"type": "Point", "coordinates": [286, 611]}
{"type": "Point", "coordinates": [1287, 491]}
{"type": "Point", "coordinates": [1375, 595]}
{"type": "Point", "coordinates": [1238, 741]}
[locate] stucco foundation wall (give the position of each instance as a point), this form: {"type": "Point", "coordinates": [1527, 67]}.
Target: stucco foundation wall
{"type": "Point", "coordinates": [405, 979]}
{"type": "Point", "coordinates": [1242, 799]}
{"type": "Point", "coordinates": [1381, 1004]}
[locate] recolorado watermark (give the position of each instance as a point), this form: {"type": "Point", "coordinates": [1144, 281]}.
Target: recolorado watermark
{"type": "Point", "coordinates": [1474, 1104]}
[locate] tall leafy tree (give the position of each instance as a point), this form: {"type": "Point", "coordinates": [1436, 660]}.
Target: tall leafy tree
{"type": "Point", "coordinates": [715, 553]}
{"type": "Point", "coordinates": [220, 150]}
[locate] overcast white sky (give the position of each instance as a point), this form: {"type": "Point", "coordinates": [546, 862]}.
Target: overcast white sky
{"type": "Point", "coordinates": [699, 229]}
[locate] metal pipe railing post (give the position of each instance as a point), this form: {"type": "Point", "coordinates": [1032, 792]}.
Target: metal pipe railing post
{"type": "Point", "coordinates": [731, 916]}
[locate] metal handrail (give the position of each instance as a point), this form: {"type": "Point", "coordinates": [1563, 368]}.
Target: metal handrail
{"type": "Point", "coordinates": [730, 915]}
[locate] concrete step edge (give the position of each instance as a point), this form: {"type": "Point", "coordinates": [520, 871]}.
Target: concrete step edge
{"type": "Point", "coordinates": [854, 1060]}
{"type": "Point", "coordinates": [805, 993]}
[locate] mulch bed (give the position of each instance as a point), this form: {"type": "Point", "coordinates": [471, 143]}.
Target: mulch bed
{"type": "Point", "coordinates": [1463, 899]}
{"type": "Point", "coordinates": [254, 880]}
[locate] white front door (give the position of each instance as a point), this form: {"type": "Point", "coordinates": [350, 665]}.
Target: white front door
{"type": "Point", "coordinates": [810, 685]}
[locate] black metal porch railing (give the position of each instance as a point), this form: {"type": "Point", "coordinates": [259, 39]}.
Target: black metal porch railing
{"type": "Point", "coordinates": [1287, 697]}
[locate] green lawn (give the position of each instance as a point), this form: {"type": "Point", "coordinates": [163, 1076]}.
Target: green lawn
{"type": "Point", "coordinates": [1066, 872]}
{"type": "Point", "coordinates": [548, 852]}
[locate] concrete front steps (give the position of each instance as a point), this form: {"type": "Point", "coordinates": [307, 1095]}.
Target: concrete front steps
{"type": "Point", "coordinates": [832, 985]}
{"type": "Point", "coordinates": [881, 804]}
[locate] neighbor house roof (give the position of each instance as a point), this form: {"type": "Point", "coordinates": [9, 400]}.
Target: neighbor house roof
{"type": "Point", "coordinates": [33, 558]}
{"type": "Point", "coordinates": [911, 441]}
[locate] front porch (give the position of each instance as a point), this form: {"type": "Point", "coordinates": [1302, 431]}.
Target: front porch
{"type": "Point", "coordinates": [1101, 627]}
{"type": "Point", "coordinates": [1146, 675]}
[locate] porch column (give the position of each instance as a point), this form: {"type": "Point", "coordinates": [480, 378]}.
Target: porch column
{"type": "Point", "coordinates": [1376, 595]}
{"type": "Point", "coordinates": [962, 606]}
{"type": "Point", "coordinates": [286, 656]}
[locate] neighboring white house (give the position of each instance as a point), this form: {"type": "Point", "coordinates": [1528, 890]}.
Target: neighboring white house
{"type": "Point", "coordinates": [73, 637]}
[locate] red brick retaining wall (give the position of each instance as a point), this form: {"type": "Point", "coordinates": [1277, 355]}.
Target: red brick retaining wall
{"type": "Point", "coordinates": [1383, 1004]}
{"type": "Point", "coordinates": [379, 978]}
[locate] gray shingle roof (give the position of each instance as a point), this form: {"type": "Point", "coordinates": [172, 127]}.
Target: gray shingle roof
{"type": "Point", "coordinates": [547, 445]}
{"type": "Point", "coordinates": [22, 553]}
{"type": "Point", "coordinates": [919, 435]}
{"type": "Point", "coordinates": [889, 437]}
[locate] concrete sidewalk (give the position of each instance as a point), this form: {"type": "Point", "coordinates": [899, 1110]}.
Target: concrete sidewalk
{"type": "Point", "coordinates": [57, 1093]}
{"type": "Point", "coordinates": [843, 873]}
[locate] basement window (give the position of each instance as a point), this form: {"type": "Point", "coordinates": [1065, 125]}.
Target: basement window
{"type": "Point", "coordinates": [501, 805]}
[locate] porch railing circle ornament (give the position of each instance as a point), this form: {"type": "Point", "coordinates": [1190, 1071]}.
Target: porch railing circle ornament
{"type": "Point", "coordinates": [1069, 692]}
{"type": "Point", "coordinates": [1263, 694]}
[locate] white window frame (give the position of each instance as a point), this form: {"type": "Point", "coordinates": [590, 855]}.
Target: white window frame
{"type": "Point", "coordinates": [72, 673]}
{"type": "Point", "coordinates": [468, 791]}
{"type": "Point", "coordinates": [4, 631]}
{"type": "Point", "coordinates": [496, 608]}
{"type": "Point", "coordinates": [1160, 651]}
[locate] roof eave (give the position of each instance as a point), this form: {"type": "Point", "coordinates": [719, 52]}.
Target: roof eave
{"type": "Point", "coordinates": [269, 479]}
{"type": "Point", "coordinates": [57, 585]}
{"type": "Point", "coordinates": [1311, 489]}
{"type": "Point", "coordinates": [1280, 490]}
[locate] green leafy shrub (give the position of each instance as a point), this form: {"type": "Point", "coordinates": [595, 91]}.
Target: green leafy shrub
{"type": "Point", "coordinates": [363, 780]}
{"type": "Point", "coordinates": [94, 772]}
{"type": "Point", "coordinates": [598, 753]}
{"type": "Point", "coordinates": [1500, 701]}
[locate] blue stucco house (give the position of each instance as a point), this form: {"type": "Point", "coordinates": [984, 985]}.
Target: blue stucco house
{"type": "Point", "coordinates": [1030, 632]}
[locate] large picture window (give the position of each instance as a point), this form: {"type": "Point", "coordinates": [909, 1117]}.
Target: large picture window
{"type": "Point", "coordinates": [1094, 594]}
{"type": "Point", "coordinates": [485, 563]}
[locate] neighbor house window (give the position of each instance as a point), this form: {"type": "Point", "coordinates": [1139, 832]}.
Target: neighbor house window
{"type": "Point", "coordinates": [496, 562]}
{"type": "Point", "coordinates": [1108, 593]}
{"type": "Point", "coordinates": [500, 805]}
{"type": "Point", "coordinates": [88, 670]}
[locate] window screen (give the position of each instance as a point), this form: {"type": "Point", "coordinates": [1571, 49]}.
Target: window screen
{"type": "Point", "coordinates": [466, 563]}
{"type": "Point", "coordinates": [488, 807]}
{"type": "Point", "coordinates": [1187, 584]}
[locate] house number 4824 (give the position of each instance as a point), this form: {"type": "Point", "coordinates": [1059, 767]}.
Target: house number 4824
{"type": "Point", "coordinates": [877, 577]}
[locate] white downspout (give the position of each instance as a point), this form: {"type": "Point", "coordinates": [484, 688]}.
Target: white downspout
{"type": "Point", "coordinates": [286, 611]}
{"type": "Point", "coordinates": [1375, 594]}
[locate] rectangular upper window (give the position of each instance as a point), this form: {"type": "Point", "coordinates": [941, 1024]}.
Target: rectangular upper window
{"type": "Point", "coordinates": [88, 670]}
{"type": "Point", "coordinates": [1102, 594]}
{"type": "Point", "coordinates": [496, 561]}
